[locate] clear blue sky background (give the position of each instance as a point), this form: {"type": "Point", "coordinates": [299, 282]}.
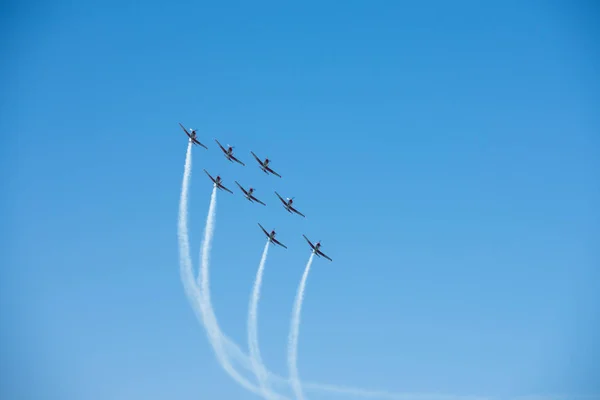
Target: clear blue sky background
{"type": "Point", "coordinates": [445, 152]}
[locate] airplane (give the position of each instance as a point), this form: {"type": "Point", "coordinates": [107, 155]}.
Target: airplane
{"type": "Point", "coordinates": [271, 237]}
{"type": "Point", "coordinates": [288, 205]}
{"type": "Point", "coordinates": [229, 153]}
{"type": "Point", "coordinates": [249, 195]}
{"type": "Point", "coordinates": [218, 182]}
{"type": "Point", "coordinates": [264, 165]}
{"type": "Point", "coordinates": [192, 136]}
{"type": "Point", "coordinates": [316, 248]}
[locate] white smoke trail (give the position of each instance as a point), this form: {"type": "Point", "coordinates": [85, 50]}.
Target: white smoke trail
{"type": "Point", "coordinates": [376, 394]}
{"type": "Point", "coordinates": [210, 320]}
{"type": "Point", "coordinates": [294, 330]}
{"type": "Point", "coordinates": [185, 260]}
{"type": "Point", "coordinates": [243, 360]}
{"type": "Point", "coordinates": [200, 299]}
{"type": "Point", "coordinates": [255, 358]}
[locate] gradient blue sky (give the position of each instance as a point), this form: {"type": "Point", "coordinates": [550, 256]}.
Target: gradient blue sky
{"type": "Point", "coordinates": [445, 152]}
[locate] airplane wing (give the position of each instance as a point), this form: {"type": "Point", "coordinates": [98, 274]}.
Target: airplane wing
{"type": "Point", "coordinates": [279, 243]}
{"type": "Point", "coordinates": [281, 198]}
{"type": "Point", "coordinates": [224, 188]}
{"type": "Point", "coordinates": [264, 230]}
{"type": "Point", "coordinates": [198, 143]}
{"type": "Point", "coordinates": [273, 172]}
{"type": "Point", "coordinates": [257, 200]}
{"type": "Point", "coordinates": [256, 157]}
{"type": "Point", "coordinates": [243, 190]}
{"type": "Point", "coordinates": [211, 178]}
{"type": "Point", "coordinates": [297, 212]}
{"type": "Point", "coordinates": [311, 245]}
{"type": "Point", "coordinates": [323, 254]}
{"type": "Point", "coordinates": [222, 148]}
{"type": "Point", "coordinates": [185, 130]}
{"type": "Point", "coordinates": [236, 160]}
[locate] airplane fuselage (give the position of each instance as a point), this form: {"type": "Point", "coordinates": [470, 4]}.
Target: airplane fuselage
{"type": "Point", "coordinates": [272, 235]}
{"type": "Point", "coordinates": [228, 153]}
{"type": "Point", "coordinates": [316, 250]}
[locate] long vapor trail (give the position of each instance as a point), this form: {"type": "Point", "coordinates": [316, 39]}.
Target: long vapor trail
{"type": "Point", "coordinates": [255, 358]}
{"type": "Point", "coordinates": [210, 320]}
{"type": "Point", "coordinates": [185, 260]}
{"type": "Point", "coordinates": [200, 299]}
{"type": "Point", "coordinates": [243, 360]}
{"type": "Point", "coordinates": [294, 330]}
{"type": "Point", "coordinates": [194, 295]}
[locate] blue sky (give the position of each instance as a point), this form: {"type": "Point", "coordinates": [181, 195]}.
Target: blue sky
{"type": "Point", "coordinates": [445, 153]}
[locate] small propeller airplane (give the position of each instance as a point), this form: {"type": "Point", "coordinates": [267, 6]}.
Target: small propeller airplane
{"type": "Point", "coordinates": [229, 153]}
{"type": "Point", "coordinates": [248, 194]}
{"type": "Point", "coordinates": [316, 248]}
{"type": "Point", "coordinates": [192, 135]}
{"type": "Point", "coordinates": [271, 237]}
{"type": "Point", "coordinates": [218, 182]}
{"type": "Point", "coordinates": [264, 165]}
{"type": "Point", "coordinates": [288, 205]}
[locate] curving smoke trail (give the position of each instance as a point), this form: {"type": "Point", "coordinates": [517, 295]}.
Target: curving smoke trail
{"type": "Point", "coordinates": [243, 360]}
{"type": "Point", "coordinates": [210, 319]}
{"type": "Point", "coordinates": [294, 330]}
{"type": "Point", "coordinates": [255, 358]}
{"type": "Point", "coordinates": [185, 260]}
{"type": "Point", "coordinates": [200, 298]}
{"type": "Point", "coordinates": [197, 299]}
